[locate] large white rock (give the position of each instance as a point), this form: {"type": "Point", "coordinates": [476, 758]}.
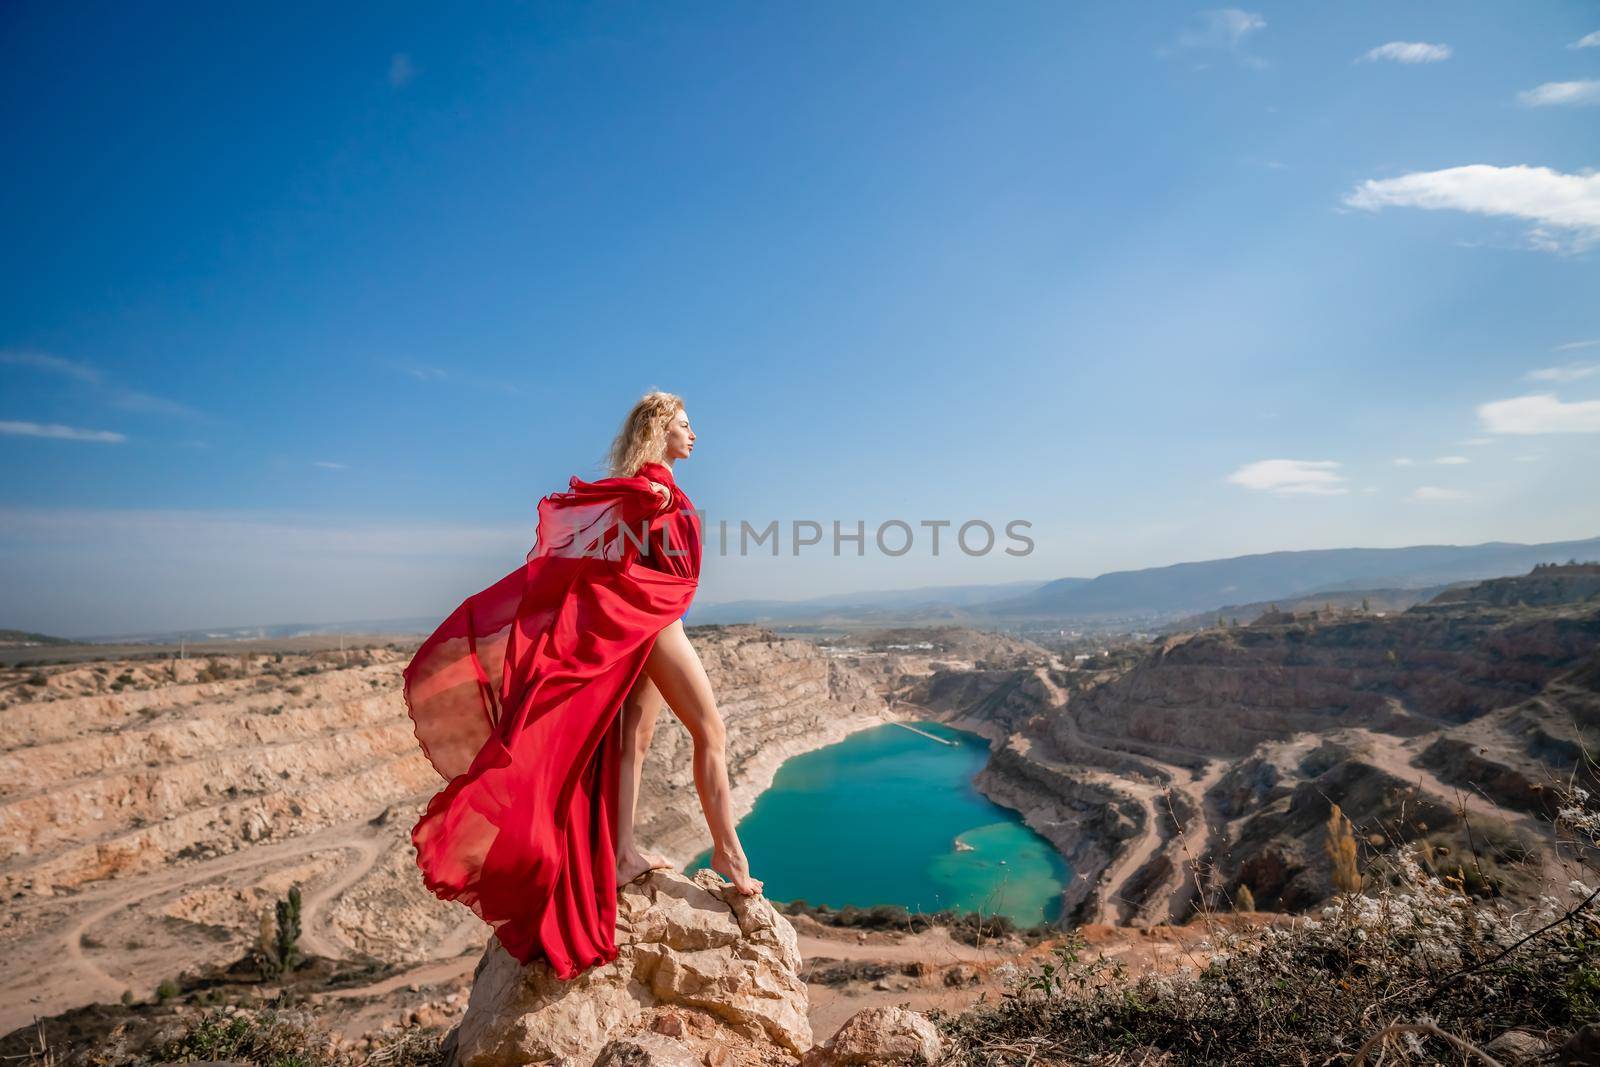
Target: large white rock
{"type": "Point", "coordinates": [689, 943]}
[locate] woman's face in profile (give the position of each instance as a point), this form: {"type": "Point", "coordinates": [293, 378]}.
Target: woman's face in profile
{"type": "Point", "coordinates": [680, 438]}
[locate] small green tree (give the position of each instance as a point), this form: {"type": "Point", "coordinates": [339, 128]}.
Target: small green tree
{"type": "Point", "coordinates": [288, 941]}
{"type": "Point", "coordinates": [278, 940]}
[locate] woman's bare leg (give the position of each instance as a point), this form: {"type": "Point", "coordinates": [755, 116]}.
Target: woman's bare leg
{"type": "Point", "coordinates": [675, 667]}
{"type": "Point", "coordinates": [638, 715]}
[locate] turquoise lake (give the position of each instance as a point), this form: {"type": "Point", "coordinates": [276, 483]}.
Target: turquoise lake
{"type": "Point", "coordinates": [875, 818]}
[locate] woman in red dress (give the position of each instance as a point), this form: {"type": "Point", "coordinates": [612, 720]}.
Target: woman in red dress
{"type": "Point", "coordinates": [536, 698]}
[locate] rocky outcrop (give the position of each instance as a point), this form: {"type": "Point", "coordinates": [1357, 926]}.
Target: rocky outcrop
{"type": "Point", "coordinates": [1545, 585]}
{"type": "Point", "coordinates": [880, 1037]}
{"type": "Point", "coordinates": [1279, 851]}
{"type": "Point", "coordinates": [1521, 756]}
{"type": "Point", "coordinates": [687, 949]}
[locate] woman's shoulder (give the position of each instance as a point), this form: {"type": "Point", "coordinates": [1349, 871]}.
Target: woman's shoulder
{"type": "Point", "coordinates": [656, 472]}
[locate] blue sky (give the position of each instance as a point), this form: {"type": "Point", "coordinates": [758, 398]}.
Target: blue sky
{"type": "Point", "coordinates": [303, 307]}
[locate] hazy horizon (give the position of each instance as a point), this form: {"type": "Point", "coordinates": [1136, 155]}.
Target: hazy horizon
{"type": "Point", "coordinates": [425, 623]}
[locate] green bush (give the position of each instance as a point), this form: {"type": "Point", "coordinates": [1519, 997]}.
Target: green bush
{"type": "Point", "coordinates": [970, 928]}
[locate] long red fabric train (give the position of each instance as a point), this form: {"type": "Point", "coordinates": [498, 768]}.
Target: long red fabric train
{"type": "Point", "coordinates": [515, 701]}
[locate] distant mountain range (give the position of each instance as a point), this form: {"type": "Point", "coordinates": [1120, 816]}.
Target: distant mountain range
{"type": "Point", "coordinates": [934, 600]}
{"type": "Point", "coordinates": [24, 639]}
{"type": "Point", "coordinates": [1203, 586]}
{"type": "Point", "coordinates": [1152, 595]}
{"type": "Point", "coordinates": [1164, 593]}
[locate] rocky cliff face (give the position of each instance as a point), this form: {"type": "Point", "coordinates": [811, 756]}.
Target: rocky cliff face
{"type": "Point", "coordinates": [1213, 761]}
{"type": "Point", "coordinates": [1084, 815]}
{"type": "Point", "coordinates": [1223, 691]}
{"type": "Point", "coordinates": [151, 811]}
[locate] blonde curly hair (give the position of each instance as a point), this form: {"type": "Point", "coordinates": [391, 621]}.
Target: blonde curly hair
{"type": "Point", "coordinates": [643, 437]}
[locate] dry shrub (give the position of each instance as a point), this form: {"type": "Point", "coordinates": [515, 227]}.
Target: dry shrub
{"type": "Point", "coordinates": [1341, 848]}
{"type": "Point", "coordinates": [1419, 950]}
{"type": "Point", "coordinates": [275, 1037]}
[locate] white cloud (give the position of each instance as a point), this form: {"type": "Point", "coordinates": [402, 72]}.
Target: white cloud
{"type": "Point", "coordinates": [454, 375]}
{"type": "Point", "coordinates": [1478, 442]}
{"type": "Point", "coordinates": [59, 432]}
{"type": "Point", "coordinates": [1540, 413]}
{"type": "Point", "coordinates": [53, 364]}
{"type": "Point", "coordinates": [1588, 40]}
{"type": "Point", "coordinates": [401, 70]}
{"type": "Point", "coordinates": [1220, 29]}
{"type": "Point", "coordinates": [1570, 345]}
{"type": "Point", "coordinates": [1565, 208]}
{"type": "Point", "coordinates": [1562, 94]}
{"type": "Point", "coordinates": [1434, 492]}
{"type": "Point", "coordinates": [1572, 372]}
{"type": "Point", "coordinates": [1403, 461]}
{"type": "Point", "coordinates": [133, 400]}
{"type": "Point", "coordinates": [115, 395]}
{"type": "Point", "coordinates": [1407, 52]}
{"type": "Point", "coordinates": [1288, 477]}
{"type": "Point", "coordinates": [1530, 458]}
{"type": "Point", "coordinates": [1452, 461]}
{"type": "Point", "coordinates": [330, 465]}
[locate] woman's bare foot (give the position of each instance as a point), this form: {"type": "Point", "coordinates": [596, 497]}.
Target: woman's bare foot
{"type": "Point", "coordinates": [633, 865]}
{"type": "Point", "coordinates": [736, 869]}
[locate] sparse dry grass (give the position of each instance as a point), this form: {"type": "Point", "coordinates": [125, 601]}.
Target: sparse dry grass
{"type": "Point", "coordinates": [1418, 965]}
{"type": "Point", "coordinates": [271, 1037]}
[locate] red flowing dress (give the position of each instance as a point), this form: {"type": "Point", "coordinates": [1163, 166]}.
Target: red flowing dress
{"type": "Point", "coordinates": [515, 700]}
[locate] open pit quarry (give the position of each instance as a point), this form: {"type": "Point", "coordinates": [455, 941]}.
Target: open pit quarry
{"type": "Point", "coordinates": [154, 809]}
